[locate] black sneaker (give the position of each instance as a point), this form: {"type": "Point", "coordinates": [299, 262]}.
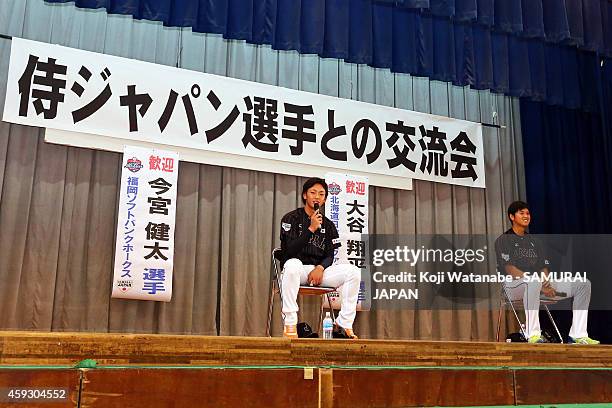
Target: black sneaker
{"type": "Point", "coordinates": [342, 333]}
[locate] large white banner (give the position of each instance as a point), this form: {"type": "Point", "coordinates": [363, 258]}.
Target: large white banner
{"type": "Point", "coordinates": [347, 206]}
{"type": "Point", "coordinates": [79, 91]}
{"type": "Point", "coordinates": [144, 250]}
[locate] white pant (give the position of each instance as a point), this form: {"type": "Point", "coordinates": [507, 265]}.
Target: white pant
{"type": "Point", "coordinates": [347, 276]}
{"type": "Point", "coordinates": [530, 293]}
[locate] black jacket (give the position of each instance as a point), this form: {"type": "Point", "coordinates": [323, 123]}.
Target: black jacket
{"type": "Point", "coordinates": [297, 241]}
{"type": "Point", "coordinates": [525, 252]}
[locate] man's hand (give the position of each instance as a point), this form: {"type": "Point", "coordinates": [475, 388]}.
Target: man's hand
{"type": "Point", "coordinates": [315, 221]}
{"type": "Point", "coordinates": [316, 276]}
{"type": "Point", "coordinates": [547, 288]}
{"type": "Point", "coordinates": [548, 291]}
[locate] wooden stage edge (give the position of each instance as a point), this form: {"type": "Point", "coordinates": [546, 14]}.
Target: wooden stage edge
{"type": "Point", "coordinates": [146, 371]}
{"type": "Point", "coordinates": [28, 348]}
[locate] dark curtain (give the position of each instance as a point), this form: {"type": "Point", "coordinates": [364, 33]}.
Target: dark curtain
{"type": "Point", "coordinates": [568, 154]}
{"type": "Point", "coordinates": [568, 169]}
{"type": "Point", "coordinates": [525, 48]}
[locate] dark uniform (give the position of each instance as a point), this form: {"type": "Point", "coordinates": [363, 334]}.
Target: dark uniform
{"type": "Point", "coordinates": [297, 241]}
{"type": "Point", "coordinates": [522, 251]}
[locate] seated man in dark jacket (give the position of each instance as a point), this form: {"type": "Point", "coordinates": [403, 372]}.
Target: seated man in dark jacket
{"type": "Point", "coordinates": [520, 255]}
{"type": "Point", "coordinates": [308, 240]}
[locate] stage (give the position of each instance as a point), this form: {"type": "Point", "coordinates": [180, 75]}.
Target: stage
{"type": "Point", "coordinates": [175, 370]}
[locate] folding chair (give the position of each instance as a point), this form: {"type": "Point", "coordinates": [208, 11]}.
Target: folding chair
{"type": "Point", "coordinates": [504, 301]}
{"type": "Point", "coordinates": [275, 288]}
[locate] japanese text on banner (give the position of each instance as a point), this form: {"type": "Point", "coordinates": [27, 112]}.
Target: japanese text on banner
{"type": "Point", "coordinates": [347, 207]}
{"type": "Point", "coordinates": [75, 90]}
{"type": "Point", "coordinates": [144, 249]}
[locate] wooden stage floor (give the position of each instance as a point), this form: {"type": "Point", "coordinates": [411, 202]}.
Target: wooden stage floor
{"type": "Point", "coordinates": [36, 348]}
{"type": "Point", "coordinates": [201, 371]}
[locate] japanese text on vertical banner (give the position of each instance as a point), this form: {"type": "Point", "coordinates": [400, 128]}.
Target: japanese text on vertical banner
{"type": "Point", "coordinates": [63, 88]}
{"type": "Point", "coordinates": [144, 250]}
{"type": "Point", "coordinates": [347, 207]}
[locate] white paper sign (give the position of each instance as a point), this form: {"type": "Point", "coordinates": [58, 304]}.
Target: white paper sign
{"type": "Point", "coordinates": [144, 250]}
{"type": "Point", "coordinates": [347, 207]}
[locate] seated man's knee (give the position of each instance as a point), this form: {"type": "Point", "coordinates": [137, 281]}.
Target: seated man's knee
{"type": "Point", "coordinates": [535, 285]}
{"type": "Point", "coordinates": [293, 266]}
{"type": "Point", "coordinates": [354, 273]}
{"type": "Point", "coordinates": [586, 284]}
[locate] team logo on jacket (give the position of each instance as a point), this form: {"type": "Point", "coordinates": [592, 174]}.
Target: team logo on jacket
{"type": "Point", "coordinates": [286, 226]}
{"type": "Point", "coordinates": [334, 188]}
{"type": "Point", "coordinates": [133, 165]}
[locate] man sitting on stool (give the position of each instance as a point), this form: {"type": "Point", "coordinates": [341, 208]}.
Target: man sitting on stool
{"type": "Point", "coordinates": [308, 240]}
{"type": "Point", "coordinates": [517, 253]}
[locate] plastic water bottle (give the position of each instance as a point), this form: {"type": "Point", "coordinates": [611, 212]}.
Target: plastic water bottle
{"type": "Point", "coordinates": [328, 326]}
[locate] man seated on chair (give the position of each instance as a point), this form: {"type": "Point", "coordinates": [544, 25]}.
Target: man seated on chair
{"type": "Point", "coordinates": [517, 253]}
{"type": "Point", "coordinates": [308, 240]}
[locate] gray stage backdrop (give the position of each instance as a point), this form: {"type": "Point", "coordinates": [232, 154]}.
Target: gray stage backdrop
{"type": "Point", "coordinates": [58, 203]}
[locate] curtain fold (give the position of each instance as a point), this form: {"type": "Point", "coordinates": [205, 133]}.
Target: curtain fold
{"type": "Point", "coordinates": [508, 16]}
{"type": "Point", "coordinates": [533, 18]}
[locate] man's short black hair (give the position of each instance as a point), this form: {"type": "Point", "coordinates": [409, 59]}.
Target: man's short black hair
{"type": "Point", "coordinates": [311, 182]}
{"type": "Point", "coordinates": [516, 207]}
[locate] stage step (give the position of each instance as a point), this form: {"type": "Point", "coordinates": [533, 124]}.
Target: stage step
{"type": "Point", "coordinates": [26, 348]}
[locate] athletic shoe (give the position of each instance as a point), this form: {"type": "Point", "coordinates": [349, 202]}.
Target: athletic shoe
{"type": "Point", "coordinates": [582, 340]}
{"type": "Point", "coordinates": [290, 331]}
{"type": "Point", "coordinates": [342, 333]}
{"type": "Point", "coordinates": [535, 339]}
